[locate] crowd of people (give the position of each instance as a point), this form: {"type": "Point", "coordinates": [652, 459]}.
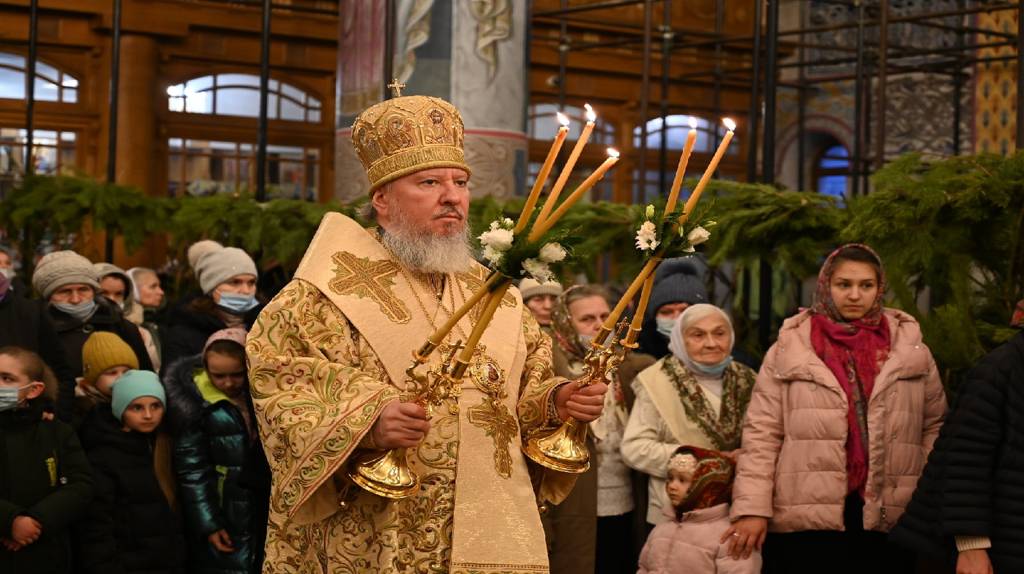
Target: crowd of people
{"type": "Point", "coordinates": [130, 442]}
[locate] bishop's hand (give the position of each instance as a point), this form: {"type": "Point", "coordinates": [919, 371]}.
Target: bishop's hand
{"type": "Point", "coordinates": [584, 404]}
{"type": "Point", "coordinates": [400, 425]}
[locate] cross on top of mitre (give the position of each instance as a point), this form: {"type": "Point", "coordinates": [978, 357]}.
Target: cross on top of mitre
{"type": "Point", "coordinates": [396, 88]}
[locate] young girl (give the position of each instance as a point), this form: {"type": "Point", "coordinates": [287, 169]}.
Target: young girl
{"type": "Point", "coordinates": [45, 483]}
{"type": "Point", "coordinates": [699, 484]}
{"type": "Point", "coordinates": [132, 527]}
{"type": "Point", "coordinates": [215, 437]}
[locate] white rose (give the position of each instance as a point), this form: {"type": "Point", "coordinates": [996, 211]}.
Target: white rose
{"type": "Point", "coordinates": [538, 270]}
{"type": "Point", "coordinates": [497, 238]}
{"type": "Point", "coordinates": [492, 255]}
{"type": "Point", "coordinates": [552, 253]}
{"type": "Point", "coordinates": [508, 223]}
{"type": "Point", "coordinates": [698, 235]}
{"type": "Point", "coordinates": [646, 236]}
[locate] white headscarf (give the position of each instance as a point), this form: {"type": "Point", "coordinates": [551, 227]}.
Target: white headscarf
{"type": "Point", "coordinates": [691, 315]}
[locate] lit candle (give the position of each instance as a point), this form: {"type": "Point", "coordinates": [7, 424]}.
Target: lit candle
{"type": "Point", "coordinates": [438, 337]}
{"type": "Point", "coordinates": [541, 228]}
{"type": "Point", "coordinates": [645, 297]}
{"type": "Point", "coordinates": [692, 201]}
{"type": "Point", "coordinates": [684, 159]}
{"type": "Point", "coordinates": [641, 277]}
{"type": "Point", "coordinates": [493, 301]}
{"type": "Point", "coordinates": [545, 170]}
{"type": "Point", "coordinates": [563, 177]}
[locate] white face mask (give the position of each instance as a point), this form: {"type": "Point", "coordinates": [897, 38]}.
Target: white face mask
{"type": "Point", "coordinates": [665, 325]}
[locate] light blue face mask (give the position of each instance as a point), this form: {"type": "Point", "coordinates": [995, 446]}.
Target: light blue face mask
{"type": "Point", "coordinates": [237, 303]}
{"type": "Point", "coordinates": [715, 370]}
{"type": "Point", "coordinates": [665, 325]}
{"type": "Point", "coordinates": [81, 311]}
{"type": "Point", "coordinates": [9, 397]}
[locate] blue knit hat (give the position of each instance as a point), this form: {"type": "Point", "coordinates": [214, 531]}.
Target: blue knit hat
{"type": "Point", "coordinates": [132, 385]}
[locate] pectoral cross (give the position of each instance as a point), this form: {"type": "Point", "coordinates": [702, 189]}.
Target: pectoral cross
{"type": "Point", "coordinates": [396, 88]}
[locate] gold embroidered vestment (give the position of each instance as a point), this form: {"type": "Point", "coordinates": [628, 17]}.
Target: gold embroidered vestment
{"type": "Point", "coordinates": [328, 353]}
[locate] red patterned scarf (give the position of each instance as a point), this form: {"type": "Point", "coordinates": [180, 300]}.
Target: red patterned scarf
{"type": "Point", "coordinates": [712, 480]}
{"type": "Point", "coordinates": [854, 351]}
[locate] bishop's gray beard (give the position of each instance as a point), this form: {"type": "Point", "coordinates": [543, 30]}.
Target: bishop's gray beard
{"type": "Point", "coordinates": [426, 252]}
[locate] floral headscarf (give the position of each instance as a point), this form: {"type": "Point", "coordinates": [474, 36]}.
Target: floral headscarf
{"type": "Point", "coordinates": [823, 303]}
{"type": "Point", "coordinates": [711, 482]}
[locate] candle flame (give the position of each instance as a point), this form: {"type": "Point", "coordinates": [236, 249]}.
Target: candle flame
{"type": "Point", "coordinates": [731, 125]}
{"type": "Point", "coordinates": [563, 119]}
{"type": "Point", "coordinates": [693, 122]}
{"type": "Point", "coordinates": [612, 152]}
{"type": "Point", "coordinates": [591, 116]}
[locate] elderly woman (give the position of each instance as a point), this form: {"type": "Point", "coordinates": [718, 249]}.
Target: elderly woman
{"type": "Point", "coordinates": [697, 395]}
{"type": "Point", "coordinates": [843, 416]}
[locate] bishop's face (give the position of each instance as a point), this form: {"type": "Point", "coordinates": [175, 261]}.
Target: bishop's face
{"type": "Point", "coordinates": [432, 202]}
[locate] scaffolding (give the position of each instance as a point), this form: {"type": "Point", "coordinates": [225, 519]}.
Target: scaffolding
{"type": "Point", "coordinates": [874, 56]}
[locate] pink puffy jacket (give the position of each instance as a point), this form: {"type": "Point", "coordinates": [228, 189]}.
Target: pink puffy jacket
{"type": "Point", "coordinates": [690, 546]}
{"type": "Point", "coordinates": [792, 469]}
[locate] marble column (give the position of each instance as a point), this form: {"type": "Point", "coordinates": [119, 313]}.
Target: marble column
{"type": "Point", "coordinates": [472, 54]}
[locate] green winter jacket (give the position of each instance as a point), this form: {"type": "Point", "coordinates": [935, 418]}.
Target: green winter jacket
{"type": "Point", "coordinates": [211, 444]}
{"type": "Point", "coordinates": [44, 474]}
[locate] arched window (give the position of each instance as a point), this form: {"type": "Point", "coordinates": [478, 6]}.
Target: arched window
{"type": "Point", "coordinates": [543, 124]}
{"type": "Point", "coordinates": [832, 170]}
{"type": "Point", "coordinates": [52, 85]}
{"type": "Point", "coordinates": [675, 128]}
{"type": "Point", "coordinates": [239, 95]}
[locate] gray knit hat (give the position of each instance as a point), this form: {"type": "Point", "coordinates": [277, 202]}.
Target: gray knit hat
{"type": "Point", "coordinates": [530, 287]}
{"type": "Point", "coordinates": [678, 280]}
{"type": "Point", "coordinates": [219, 265]}
{"type": "Point", "coordinates": [200, 248]}
{"type": "Point", "coordinates": [61, 268]}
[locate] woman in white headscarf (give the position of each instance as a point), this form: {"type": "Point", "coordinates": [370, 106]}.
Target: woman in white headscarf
{"type": "Point", "coordinates": [696, 396]}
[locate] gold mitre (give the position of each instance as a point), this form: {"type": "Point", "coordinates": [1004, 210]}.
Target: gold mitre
{"type": "Point", "coordinates": [407, 134]}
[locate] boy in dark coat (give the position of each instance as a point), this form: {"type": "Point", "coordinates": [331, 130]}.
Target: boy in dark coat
{"type": "Point", "coordinates": [132, 527]}
{"type": "Point", "coordinates": [45, 483]}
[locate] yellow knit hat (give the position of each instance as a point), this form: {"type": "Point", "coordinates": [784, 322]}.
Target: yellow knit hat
{"type": "Point", "coordinates": [406, 134]}
{"type": "Point", "coordinates": [103, 350]}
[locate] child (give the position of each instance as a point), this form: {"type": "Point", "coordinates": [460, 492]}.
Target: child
{"type": "Point", "coordinates": [699, 487]}
{"type": "Point", "coordinates": [131, 527]}
{"type": "Point", "coordinates": [45, 483]}
{"type": "Point", "coordinates": [105, 357]}
{"type": "Point", "coordinates": [215, 436]}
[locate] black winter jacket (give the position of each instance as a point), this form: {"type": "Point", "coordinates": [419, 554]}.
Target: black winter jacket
{"type": "Point", "coordinates": [973, 484]}
{"type": "Point", "coordinates": [213, 460]}
{"type": "Point", "coordinates": [189, 324]}
{"type": "Point", "coordinates": [25, 323]}
{"type": "Point", "coordinates": [74, 332]}
{"type": "Point", "coordinates": [43, 474]}
{"type": "Point", "coordinates": [131, 528]}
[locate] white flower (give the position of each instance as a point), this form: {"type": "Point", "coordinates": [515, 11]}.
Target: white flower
{"type": "Point", "coordinates": [497, 238]}
{"type": "Point", "coordinates": [538, 270]}
{"type": "Point", "coordinates": [646, 237]}
{"type": "Point", "coordinates": [697, 236]}
{"type": "Point", "coordinates": [492, 255]}
{"type": "Point", "coordinates": [552, 253]}
{"type": "Point", "coordinates": [650, 211]}
{"type": "Point", "coordinates": [508, 223]}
